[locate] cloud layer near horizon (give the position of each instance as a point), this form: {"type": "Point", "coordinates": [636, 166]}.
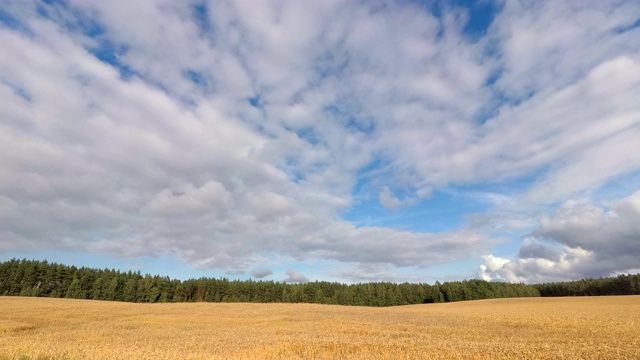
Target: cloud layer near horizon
{"type": "Point", "coordinates": [232, 135]}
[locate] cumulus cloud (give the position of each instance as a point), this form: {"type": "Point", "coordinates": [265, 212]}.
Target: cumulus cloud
{"type": "Point", "coordinates": [570, 265]}
{"type": "Point", "coordinates": [261, 273]}
{"type": "Point", "coordinates": [294, 276]}
{"type": "Point", "coordinates": [582, 240]}
{"type": "Point", "coordinates": [533, 250]}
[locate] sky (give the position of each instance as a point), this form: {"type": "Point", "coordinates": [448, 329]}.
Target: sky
{"type": "Point", "coordinates": [348, 141]}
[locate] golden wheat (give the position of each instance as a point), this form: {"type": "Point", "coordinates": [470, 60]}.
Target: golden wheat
{"type": "Point", "coordinates": [532, 328]}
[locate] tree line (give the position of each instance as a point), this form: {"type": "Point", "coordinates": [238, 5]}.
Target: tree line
{"type": "Point", "coordinates": [44, 279]}
{"type": "Point", "coordinates": [619, 285]}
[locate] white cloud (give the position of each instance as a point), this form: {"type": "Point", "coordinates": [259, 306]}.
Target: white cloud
{"type": "Point", "coordinates": [570, 105]}
{"type": "Point", "coordinates": [590, 241]}
{"type": "Point", "coordinates": [235, 272]}
{"type": "Point", "coordinates": [158, 177]}
{"type": "Point", "coordinates": [294, 276]}
{"type": "Point", "coordinates": [189, 202]}
{"type": "Point", "coordinates": [261, 273]}
{"type": "Point", "coordinates": [172, 159]}
{"type": "Point", "coordinates": [365, 272]}
{"type": "Point", "coordinates": [388, 200]}
{"type": "Point", "coordinates": [615, 232]}
{"type": "Point", "coordinates": [543, 52]}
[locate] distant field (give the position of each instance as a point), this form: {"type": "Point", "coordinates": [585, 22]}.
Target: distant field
{"type": "Point", "coordinates": [525, 328]}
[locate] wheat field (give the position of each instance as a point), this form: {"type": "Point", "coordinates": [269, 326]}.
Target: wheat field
{"type": "Point", "coordinates": [529, 328]}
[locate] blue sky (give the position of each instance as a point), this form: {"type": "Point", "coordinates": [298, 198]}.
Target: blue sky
{"type": "Point", "coordinates": [336, 140]}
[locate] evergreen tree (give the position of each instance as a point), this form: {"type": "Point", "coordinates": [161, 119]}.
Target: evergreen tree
{"type": "Point", "coordinates": [75, 290]}
{"type": "Point", "coordinates": [130, 290]}
{"type": "Point", "coordinates": [40, 278]}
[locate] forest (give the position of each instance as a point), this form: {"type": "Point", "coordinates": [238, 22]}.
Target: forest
{"type": "Point", "coordinates": [43, 279]}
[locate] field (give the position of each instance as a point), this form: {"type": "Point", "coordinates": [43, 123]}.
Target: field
{"type": "Point", "coordinates": [525, 328]}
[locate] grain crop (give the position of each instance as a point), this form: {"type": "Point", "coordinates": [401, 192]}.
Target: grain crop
{"type": "Point", "coordinates": [524, 328]}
